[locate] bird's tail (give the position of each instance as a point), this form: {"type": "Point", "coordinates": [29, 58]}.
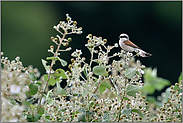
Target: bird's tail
{"type": "Point", "coordinates": [144, 54]}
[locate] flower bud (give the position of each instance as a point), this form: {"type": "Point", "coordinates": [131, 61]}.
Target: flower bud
{"type": "Point", "coordinates": [75, 23]}
{"type": "Point", "coordinates": [90, 35]}
{"type": "Point", "coordinates": [69, 39]}
{"type": "Point", "coordinates": [51, 47]}
{"type": "Point", "coordinates": [52, 38]}
{"type": "Point", "coordinates": [56, 39]}
{"type": "Point", "coordinates": [66, 44]}
{"type": "Point", "coordinates": [72, 60]}
{"type": "Point", "coordinates": [105, 40]}
{"type": "Point", "coordinates": [68, 19]}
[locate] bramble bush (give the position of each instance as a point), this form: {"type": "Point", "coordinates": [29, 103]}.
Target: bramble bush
{"type": "Point", "coordinates": [98, 91]}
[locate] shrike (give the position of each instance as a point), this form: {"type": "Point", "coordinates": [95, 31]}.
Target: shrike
{"type": "Point", "coordinates": [127, 45]}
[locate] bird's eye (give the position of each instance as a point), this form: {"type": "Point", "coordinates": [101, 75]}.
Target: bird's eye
{"type": "Point", "coordinates": [123, 37]}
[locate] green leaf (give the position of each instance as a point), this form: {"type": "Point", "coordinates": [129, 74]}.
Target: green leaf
{"type": "Point", "coordinates": [89, 113]}
{"type": "Point", "coordinates": [148, 88]}
{"type": "Point", "coordinates": [125, 98]}
{"type": "Point", "coordinates": [130, 73]}
{"type": "Point", "coordinates": [39, 83]}
{"type": "Point", "coordinates": [52, 81]}
{"type": "Point", "coordinates": [41, 110]}
{"type": "Point", "coordinates": [131, 90]}
{"type": "Point", "coordinates": [85, 72]}
{"type": "Point", "coordinates": [63, 62]}
{"type": "Point", "coordinates": [106, 117]}
{"type": "Point", "coordinates": [126, 112]}
{"type": "Point", "coordinates": [151, 99]}
{"type": "Point", "coordinates": [99, 70]}
{"type": "Point", "coordinates": [45, 77]}
{"type": "Point", "coordinates": [26, 103]}
{"type": "Point", "coordinates": [167, 94]}
{"type": "Point", "coordinates": [180, 77]}
{"type": "Point", "coordinates": [44, 64]}
{"type": "Point", "coordinates": [60, 73]}
{"type": "Point", "coordinates": [33, 88]}
{"type": "Point", "coordinates": [102, 88]}
{"type": "Point", "coordinates": [81, 110]}
{"type": "Point", "coordinates": [32, 76]}
{"type": "Point", "coordinates": [161, 83]}
{"type": "Point", "coordinates": [138, 111]}
{"type": "Point", "coordinates": [82, 117]}
{"type": "Point", "coordinates": [30, 118]}
{"type": "Point", "coordinates": [60, 91]}
{"type": "Point", "coordinates": [37, 117]}
{"type": "Point", "coordinates": [106, 84]}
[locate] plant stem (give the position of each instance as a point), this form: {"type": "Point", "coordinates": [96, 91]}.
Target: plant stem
{"type": "Point", "coordinates": [52, 63]}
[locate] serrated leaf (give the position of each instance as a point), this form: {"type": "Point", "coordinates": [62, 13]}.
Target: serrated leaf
{"type": "Point", "coordinates": [63, 62]}
{"type": "Point", "coordinates": [44, 64]}
{"type": "Point", "coordinates": [126, 112]}
{"type": "Point", "coordinates": [131, 90]}
{"type": "Point", "coordinates": [138, 111]}
{"type": "Point", "coordinates": [33, 88]}
{"type": "Point", "coordinates": [60, 73]}
{"type": "Point", "coordinates": [32, 76]}
{"type": "Point", "coordinates": [99, 70]}
{"type": "Point", "coordinates": [81, 110]}
{"type": "Point", "coordinates": [82, 117]}
{"type": "Point", "coordinates": [106, 117]}
{"type": "Point", "coordinates": [129, 73]}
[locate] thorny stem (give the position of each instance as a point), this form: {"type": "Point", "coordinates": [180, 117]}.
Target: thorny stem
{"type": "Point", "coordinates": [52, 63]}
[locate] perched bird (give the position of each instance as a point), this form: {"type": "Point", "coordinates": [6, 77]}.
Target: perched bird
{"type": "Point", "coordinates": [127, 45]}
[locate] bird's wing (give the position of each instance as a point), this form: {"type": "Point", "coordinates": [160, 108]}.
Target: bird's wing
{"type": "Point", "coordinates": [129, 43]}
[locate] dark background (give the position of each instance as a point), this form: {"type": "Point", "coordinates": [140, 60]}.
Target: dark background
{"type": "Point", "coordinates": [156, 27]}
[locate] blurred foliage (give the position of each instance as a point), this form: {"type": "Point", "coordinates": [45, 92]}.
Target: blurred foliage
{"type": "Point", "coordinates": [152, 82]}
{"type": "Point", "coordinates": [27, 28]}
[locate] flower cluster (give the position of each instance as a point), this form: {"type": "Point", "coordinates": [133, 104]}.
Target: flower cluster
{"type": "Point", "coordinates": [171, 111]}
{"type": "Point", "coordinates": [14, 86]}
{"type": "Point", "coordinates": [103, 90]}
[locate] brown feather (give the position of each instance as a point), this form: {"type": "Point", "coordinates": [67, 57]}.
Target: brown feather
{"type": "Point", "coordinates": [129, 43]}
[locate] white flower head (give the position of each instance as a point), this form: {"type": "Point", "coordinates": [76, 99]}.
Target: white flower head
{"type": "Point", "coordinates": [79, 52]}
{"type": "Point", "coordinates": [15, 89]}
{"type": "Point", "coordinates": [141, 71]}
{"type": "Point", "coordinates": [57, 27]}
{"type": "Point", "coordinates": [116, 44]}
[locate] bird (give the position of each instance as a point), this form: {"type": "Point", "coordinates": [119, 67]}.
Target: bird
{"type": "Point", "coordinates": [127, 45]}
